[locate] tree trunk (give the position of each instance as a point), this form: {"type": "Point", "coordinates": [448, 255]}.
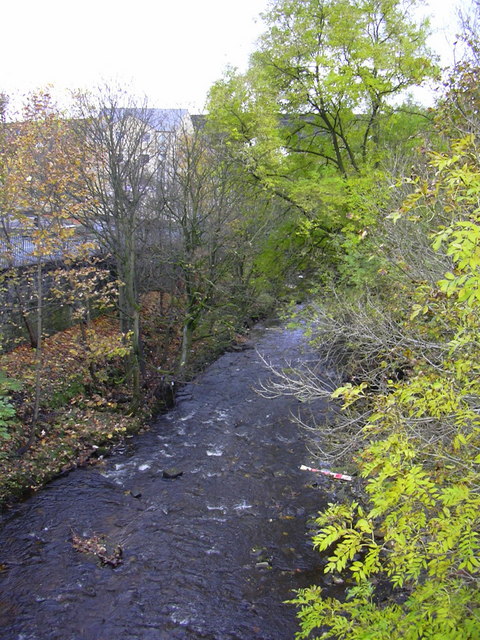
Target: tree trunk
{"type": "Point", "coordinates": [130, 321]}
{"type": "Point", "coordinates": [38, 360]}
{"type": "Point", "coordinates": [187, 335]}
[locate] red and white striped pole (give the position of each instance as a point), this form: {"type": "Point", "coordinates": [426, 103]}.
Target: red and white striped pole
{"type": "Point", "coordinates": [337, 476]}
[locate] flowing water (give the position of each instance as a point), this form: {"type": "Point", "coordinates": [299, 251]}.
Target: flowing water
{"type": "Point", "coordinates": [211, 554]}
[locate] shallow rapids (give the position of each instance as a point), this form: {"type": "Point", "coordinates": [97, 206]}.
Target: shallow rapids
{"type": "Point", "coordinates": [211, 554]}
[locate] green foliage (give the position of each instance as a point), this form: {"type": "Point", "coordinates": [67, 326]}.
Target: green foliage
{"type": "Point", "coordinates": [68, 391]}
{"type": "Point", "coordinates": [435, 611]}
{"type": "Point", "coordinates": [314, 102]}
{"type": "Point", "coordinates": [7, 410]}
{"type": "Point", "coordinates": [418, 531]}
{"type": "Point", "coordinates": [312, 122]}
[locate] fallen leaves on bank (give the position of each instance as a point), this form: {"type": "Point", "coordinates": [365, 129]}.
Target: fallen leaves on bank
{"type": "Point", "coordinates": [80, 416]}
{"type": "Point", "coordinates": [85, 399]}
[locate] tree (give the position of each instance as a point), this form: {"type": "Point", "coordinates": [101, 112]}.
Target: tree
{"type": "Point", "coordinates": [41, 196]}
{"type": "Point", "coordinates": [417, 528]}
{"type": "Point", "coordinates": [205, 200]}
{"type": "Point", "coordinates": [458, 114]}
{"type": "Point", "coordinates": [310, 119]}
{"type": "Point", "coordinates": [409, 543]}
{"type": "Point", "coordinates": [119, 165]}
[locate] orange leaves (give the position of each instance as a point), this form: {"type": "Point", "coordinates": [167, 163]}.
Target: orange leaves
{"type": "Point", "coordinates": [97, 546]}
{"type": "Point", "coordinates": [42, 188]}
{"type": "Point", "coordinates": [64, 355]}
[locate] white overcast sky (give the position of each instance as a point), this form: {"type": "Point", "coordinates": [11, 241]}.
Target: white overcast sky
{"type": "Point", "coordinates": [170, 50]}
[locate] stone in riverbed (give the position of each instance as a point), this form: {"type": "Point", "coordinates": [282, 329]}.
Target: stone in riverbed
{"type": "Point", "coordinates": [169, 474]}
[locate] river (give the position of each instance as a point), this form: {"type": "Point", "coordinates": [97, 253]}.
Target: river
{"type": "Point", "coordinates": [211, 554]}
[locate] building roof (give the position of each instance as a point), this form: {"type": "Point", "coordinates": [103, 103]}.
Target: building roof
{"type": "Point", "coordinates": [163, 120]}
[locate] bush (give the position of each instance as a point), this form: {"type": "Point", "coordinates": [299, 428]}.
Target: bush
{"type": "Point", "coordinates": [417, 531]}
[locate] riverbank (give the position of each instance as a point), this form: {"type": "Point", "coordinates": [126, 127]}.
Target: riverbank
{"type": "Point", "coordinates": [213, 553]}
{"type": "Point", "coordinates": [85, 401]}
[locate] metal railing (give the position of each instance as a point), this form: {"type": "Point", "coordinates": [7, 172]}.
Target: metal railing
{"type": "Point", "coordinates": [20, 250]}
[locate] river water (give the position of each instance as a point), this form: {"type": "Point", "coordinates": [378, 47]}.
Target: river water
{"type": "Point", "coordinates": [211, 554]}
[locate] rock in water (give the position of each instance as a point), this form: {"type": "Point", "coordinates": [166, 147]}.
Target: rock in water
{"type": "Point", "coordinates": [169, 474]}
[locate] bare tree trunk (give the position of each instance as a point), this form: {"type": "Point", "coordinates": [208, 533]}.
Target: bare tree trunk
{"type": "Point", "coordinates": [130, 321]}
{"type": "Point", "coordinates": [38, 360]}
{"type": "Point", "coordinates": [122, 144]}
{"type": "Point", "coordinates": [187, 335]}
{"type": "Point", "coordinates": [22, 309]}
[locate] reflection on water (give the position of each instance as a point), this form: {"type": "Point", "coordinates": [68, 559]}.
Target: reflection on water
{"type": "Point", "coordinates": [211, 554]}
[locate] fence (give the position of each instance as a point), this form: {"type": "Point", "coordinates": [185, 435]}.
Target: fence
{"type": "Point", "coordinates": [19, 251]}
